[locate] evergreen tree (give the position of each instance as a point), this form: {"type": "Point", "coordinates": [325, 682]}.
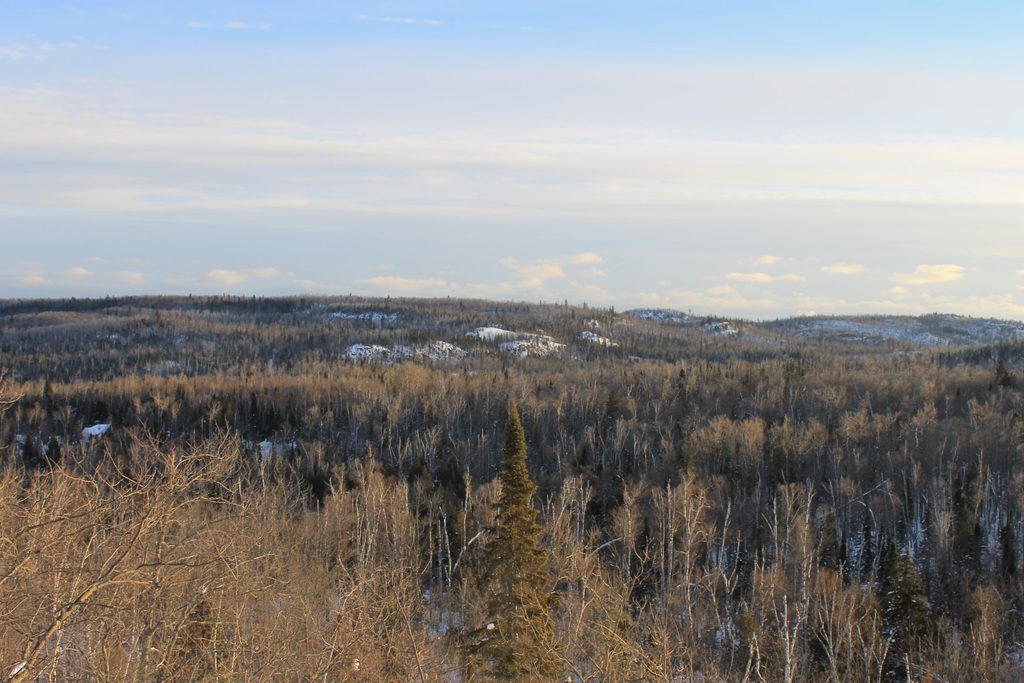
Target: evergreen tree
{"type": "Point", "coordinates": [53, 452]}
{"type": "Point", "coordinates": [515, 642]}
{"type": "Point", "coordinates": [1008, 554]}
{"type": "Point", "coordinates": [966, 530]}
{"type": "Point", "coordinates": [1003, 376]}
{"type": "Point", "coordinates": [867, 549]}
{"type": "Point", "coordinates": [30, 454]}
{"type": "Point", "coordinates": [904, 611]}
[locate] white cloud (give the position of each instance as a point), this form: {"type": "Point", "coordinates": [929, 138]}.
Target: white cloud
{"type": "Point", "coordinates": [227, 278]}
{"type": "Point", "coordinates": [537, 272]}
{"type": "Point", "coordinates": [900, 291]}
{"type": "Point", "coordinates": [228, 25]}
{"type": "Point", "coordinates": [593, 272]}
{"type": "Point", "coordinates": [130, 277]}
{"type": "Point", "coordinates": [263, 272]}
{"type": "Point", "coordinates": [478, 168]}
{"type": "Point", "coordinates": [409, 21]}
{"type": "Point", "coordinates": [843, 269]}
{"type": "Point", "coordinates": [931, 275]}
{"type": "Point", "coordinates": [589, 291]}
{"type": "Point", "coordinates": [33, 279]}
{"type": "Point", "coordinates": [243, 26]}
{"type": "Point", "coordinates": [37, 52]}
{"type": "Point", "coordinates": [765, 277]}
{"type": "Point", "coordinates": [1021, 272]}
{"type": "Point", "coordinates": [534, 274]}
{"type": "Point", "coordinates": [721, 299]}
{"type": "Point", "coordinates": [219, 276]}
{"type": "Point", "coordinates": [391, 283]}
{"type": "Point", "coordinates": [586, 257]}
{"type": "Point", "coordinates": [766, 260]}
{"type": "Point", "coordinates": [78, 273]}
{"type": "Point", "coordinates": [307, 285]}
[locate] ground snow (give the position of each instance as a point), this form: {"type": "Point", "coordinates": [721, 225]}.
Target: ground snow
{"type": "Point", "coordinates": [532, 345]}
{"type": "Point", "coordinates": [375, 353]}
{"type": "Point", "coordinates": [597, 339]}
{"type": "Point", "coordinates": [96, 430]}
{"type": "Point", "coordinates": [492, 334]}
{"type": "Point", "coordinates": [659, 314]}
{"type": "Point", "coordinates": [378, 318]}
{"type": "Point", "coordinates": [945, 330]}
{"type": "Point", "coordinates": [521, 344]}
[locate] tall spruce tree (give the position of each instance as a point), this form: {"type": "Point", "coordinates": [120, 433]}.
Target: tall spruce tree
{"type": "Point", "coordinates": [515, 642]}
{"type": "Point", "coordinates": [904, 611]}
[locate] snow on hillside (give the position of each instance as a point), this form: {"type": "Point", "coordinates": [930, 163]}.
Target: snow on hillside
{"type": "Point", "coordinates": [439, 350]}
{"type": "Point", "coordinates": [522, 344]}
{"type": "Point", "coordinates": [927, 330]}
{"type": "Point", "coordinates": [659, 314]}
{"type": "Point", "coordinates": [378, 318]}
{"type": "Point", "coordinates": [492, 334]}
{"type": "Point", "coordinates": [94, 431]}
{"type": "Point", "coordinates": [371, 353]}
{"type": "Point", "coordinates": [597, 339]}
{"type": "Point", "coordinates": [268, 448]}
{"type": "Point", "coordinates": [375, 353]}
{"type": "Point", "coordinates": [720, 328]}
{"type": "Point", "coordinates": [532, 345]}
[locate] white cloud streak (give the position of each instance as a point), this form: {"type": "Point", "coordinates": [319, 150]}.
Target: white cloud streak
{"type": "Point", "coordinates": [764, 278]}
{"type": "Point", "coordinates": [930, 275]}
{"type": "Point", "coordinates": [408, 21]}
{"type": "Point", "coordinates": [404, 285]}
{"type": "Point", "coordinates": [233, 25]}
{"type": "Point", "coordinates": [843, 269]}
{"type": "Point", "coordinates": [35, 52]}
{"type": "Point", "coordinates": [501, 173]}
{"type": "Point", "coordinates": [534, 273]}
{"type": "Point", "coordinates": [229, 278]}
{"type": "Point", "coordinates": [130, 277]}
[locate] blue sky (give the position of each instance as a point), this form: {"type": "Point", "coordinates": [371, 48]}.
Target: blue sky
{"type": "Point", "coordinates": [741, 158]}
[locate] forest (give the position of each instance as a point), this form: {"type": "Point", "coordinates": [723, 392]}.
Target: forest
{"type": "Point", "coordinates": [306, 489]}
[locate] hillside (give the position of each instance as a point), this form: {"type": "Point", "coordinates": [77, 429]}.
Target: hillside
{"type": "Point", "coordinates": [312, 484]}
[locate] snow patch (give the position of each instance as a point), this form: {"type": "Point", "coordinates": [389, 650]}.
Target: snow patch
{"type": "Point", "coordinates": [378, 318]}
{"type": "Point", "coordinates": [375, 353]}
{"type": "Point", "coordinates": [928, 330]}
{"type": "Point", "coordinates": [663, 315]}
{"type": "Point", "coordinates": [587, 335]}
{"type": "Point", "coordinates": [720, 328]}
{"type": "Point", "coordinates": [370, 353]}
{"type": "Point", "coordinates": [522, 344]}
{"type": "Point", "coordinates": [491, 333]}
{"type": "Point", "coordinates": [439, 350]}
{"type": "Point", "coordinates": [268, 448]}
{"type": "Point", "coordinates": [532, 345]}
{"type": "Point", "coordinates": [95, 431]}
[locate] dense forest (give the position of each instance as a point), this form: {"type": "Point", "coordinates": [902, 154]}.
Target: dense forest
{"type": "Point", "coordinates": [327, 489]}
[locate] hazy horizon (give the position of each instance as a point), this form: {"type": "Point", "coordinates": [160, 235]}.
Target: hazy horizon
{"type": "Point", "coordinates": [729, 159]}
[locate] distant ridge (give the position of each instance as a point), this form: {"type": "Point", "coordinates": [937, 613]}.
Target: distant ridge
{"type": "Point", "coordinates": [933, 329]}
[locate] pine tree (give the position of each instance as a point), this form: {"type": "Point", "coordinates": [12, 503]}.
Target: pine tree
{"type": "Point", "coordinates": [904, 610]}
{"type": "Point", "coordinates": [1008, 555]}
{"type": "Point", "coordinates": [867, 549]}
{"type": "Point", "coordinates": [515, 643]}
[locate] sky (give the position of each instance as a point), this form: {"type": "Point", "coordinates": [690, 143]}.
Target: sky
{"type": "Point", "coordinates": [731, 157]}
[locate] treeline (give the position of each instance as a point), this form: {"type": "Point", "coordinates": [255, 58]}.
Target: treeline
{"type": "Point", "coordinates": [807, 514]}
